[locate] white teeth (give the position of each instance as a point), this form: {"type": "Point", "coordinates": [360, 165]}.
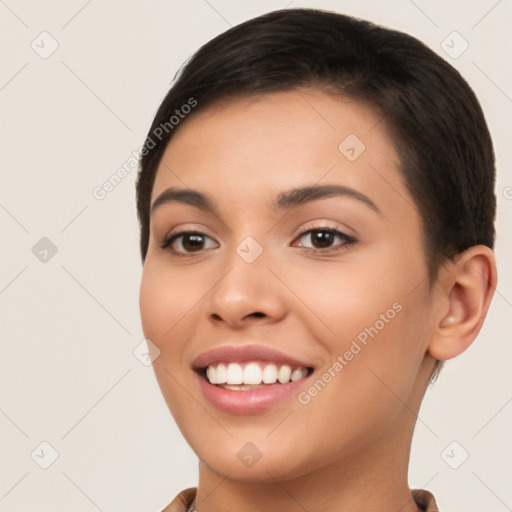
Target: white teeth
{"type": "Point", "coordinates": [216, 375]}
{"type": "Point", "coordinates": [270, 374]}
{"type": "Point", "coordinates": [252, 374]}
{"type": "Point", "coordinates": [296, 374]}
{"type": "Point", "coordinates": [211, 374]}
{"type": "Point", "coordinates": [236, 376]}
{"type": "Point", "coordinates": [221, 374]}
{"type": "Point", "coordinates": [285, 372]}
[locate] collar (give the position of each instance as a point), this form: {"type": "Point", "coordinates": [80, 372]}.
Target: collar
{"type": "Point", "coordinates": [183, 501]}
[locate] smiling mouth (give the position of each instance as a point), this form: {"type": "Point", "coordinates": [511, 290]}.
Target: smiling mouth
{"type": "Point", "coordinates": [251, 375]}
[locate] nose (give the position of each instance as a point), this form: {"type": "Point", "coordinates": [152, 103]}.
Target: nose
{"type": "Point", "coordinates": [247, 293]}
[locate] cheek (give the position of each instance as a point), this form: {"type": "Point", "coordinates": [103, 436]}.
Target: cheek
{"type": "Point", "coordinates": [155, 305]}
{"type": "Point", "coordinates": [165, 300]}
{"type": "Point", "coordinates": [378, 321]}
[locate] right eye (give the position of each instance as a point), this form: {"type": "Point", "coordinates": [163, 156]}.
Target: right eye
{"type": "Point", "coordinates": [187, 242]}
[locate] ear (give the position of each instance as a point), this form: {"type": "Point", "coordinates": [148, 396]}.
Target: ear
{"type": "Point", "coordinates": [464, 291]}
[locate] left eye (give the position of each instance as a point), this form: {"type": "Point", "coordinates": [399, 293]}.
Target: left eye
{"type": "Point", "coordinates": [322, 239]}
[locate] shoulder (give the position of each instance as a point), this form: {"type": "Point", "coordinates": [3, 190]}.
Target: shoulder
{"type": "Point", "coordinates": [182, 501]}
{"type": "Point", "coordinates": [425, 500]}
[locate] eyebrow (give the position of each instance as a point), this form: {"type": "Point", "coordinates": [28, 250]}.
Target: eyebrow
{"type": "Point", "coordinates": [285, 200]}
{"type": "Point", "coordinates": [299, 196]}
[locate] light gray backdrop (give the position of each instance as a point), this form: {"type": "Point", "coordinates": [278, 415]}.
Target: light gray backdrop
{"type": "Point", "coordinates": [79, 84]}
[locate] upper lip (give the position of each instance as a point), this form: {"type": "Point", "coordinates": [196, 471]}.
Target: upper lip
{"type": "Point", "coordinates": [241, 353]}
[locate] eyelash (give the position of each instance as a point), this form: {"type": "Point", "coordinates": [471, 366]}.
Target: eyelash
{"type": "Point", "coordinates": [347, 241]}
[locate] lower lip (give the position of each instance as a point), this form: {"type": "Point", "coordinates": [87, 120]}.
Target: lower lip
{"type": "Point", "coordinates": [244, 402]}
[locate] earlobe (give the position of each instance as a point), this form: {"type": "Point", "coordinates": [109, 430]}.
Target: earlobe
{"type": "Point", "coordinates": [466, 287]}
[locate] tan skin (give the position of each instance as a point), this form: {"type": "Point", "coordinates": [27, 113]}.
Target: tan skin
{"type": "Point", "coordinates": [355, 434]}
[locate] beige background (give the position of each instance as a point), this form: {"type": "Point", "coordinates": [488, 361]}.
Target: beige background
{"type": "Point", "coordinates": [69, 325]}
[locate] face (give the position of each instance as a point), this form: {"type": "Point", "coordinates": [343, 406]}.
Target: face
{"type": "Point", "coordinates": [300, 247]}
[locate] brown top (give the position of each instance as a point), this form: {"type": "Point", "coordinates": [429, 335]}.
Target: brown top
{"type": "Point", "coordinates": [424, 499]}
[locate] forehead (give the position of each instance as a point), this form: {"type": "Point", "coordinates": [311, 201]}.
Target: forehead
{"type": "Point", "coordinates": [254, 147]}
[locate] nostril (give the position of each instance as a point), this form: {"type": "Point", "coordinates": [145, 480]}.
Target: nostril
{"type": "Point", "coordinates": [258, 314]}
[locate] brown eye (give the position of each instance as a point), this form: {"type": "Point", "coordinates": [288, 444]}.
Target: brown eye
{"type": "Point", "coordinates": [323, 239]}
{"type": "Point", "coordinates": [187, 242]}
{"type": "Point", "coordinates": [192, 242]}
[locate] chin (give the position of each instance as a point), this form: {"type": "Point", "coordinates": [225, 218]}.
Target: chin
{"type": "Point", "coordinates": [257, 462]}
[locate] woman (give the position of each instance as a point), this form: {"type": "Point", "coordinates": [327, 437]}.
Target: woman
{"type": "Point", "coordinates": [317, 211]}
